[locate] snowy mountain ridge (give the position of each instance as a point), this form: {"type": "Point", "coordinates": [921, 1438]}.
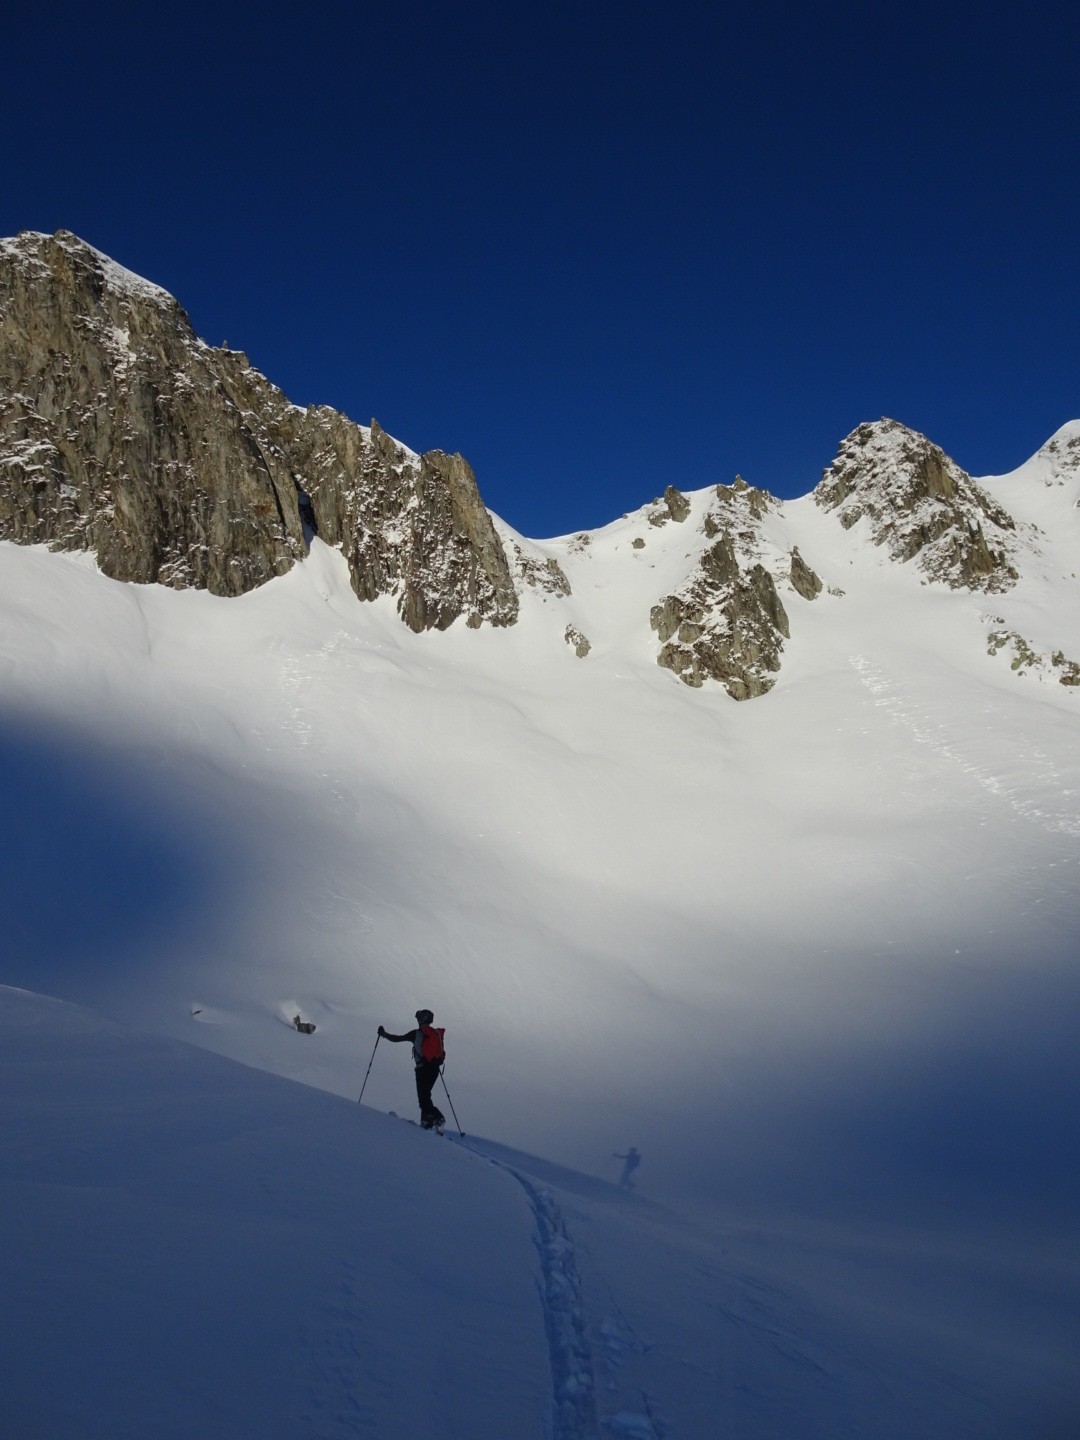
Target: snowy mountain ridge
{"type": "Point", "coordinates": [122, 433]}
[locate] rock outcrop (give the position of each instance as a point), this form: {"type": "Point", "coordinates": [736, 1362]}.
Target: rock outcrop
{"type": "Point", "coordinates": [1026, 660]}
{"type": "Point", "coordinates": [123, 433]}
{"type": "Point", "coordinates": [539, 572]}
{"type": "Point", "coordinates": [921, 506]}
{"type": "Point", "coordinates": [727, 623]}
{"type": "Point", "coordinates": [672, 505]}
{"type": "Point", "coordinates": [804, 581]}
{"type": "Point", "coordinates": [580, 642]}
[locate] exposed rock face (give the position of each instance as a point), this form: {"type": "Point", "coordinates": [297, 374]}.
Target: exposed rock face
{"type": "Point", "coordinates": [920, 504]}
{"type": "Point", "coordinates": [1024, 659]}
{"type": "Point", "coordinates": [122, 433]}
{"type": "Point", "coordinates": [117, 434]}
{"type": "Point", "coordinates": [542, 573]}
{"type": "Point", "coordinates": [672, 506]}
{"type": "Point", "coordinates": [803, 579]}
{"type": "Point", "coordinates": [728, 622]}
{"type": "Point", "coordinates": [574, 637]}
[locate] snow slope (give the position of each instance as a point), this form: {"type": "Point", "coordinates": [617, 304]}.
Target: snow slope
{"type": "Point", "coordinates": [813, 955]}
{"type": "Point", "coordinates": [206, 1249]}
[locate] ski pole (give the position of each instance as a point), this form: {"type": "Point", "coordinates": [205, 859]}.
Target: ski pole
{"type": "Point", "coordinates": [453, 1112]}
{"type": "Point", "coordinates": [369, 1065]}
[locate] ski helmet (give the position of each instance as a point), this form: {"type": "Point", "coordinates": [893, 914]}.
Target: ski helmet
{"type": "Point", "coordinates": [425, 1017]}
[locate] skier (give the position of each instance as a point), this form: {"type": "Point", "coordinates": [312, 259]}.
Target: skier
{"type": "Point", "coordinates": [429, 1054]}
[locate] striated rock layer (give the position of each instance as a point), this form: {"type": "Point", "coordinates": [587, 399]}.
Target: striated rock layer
{"type": "Point", "coordinates": [123, 433]}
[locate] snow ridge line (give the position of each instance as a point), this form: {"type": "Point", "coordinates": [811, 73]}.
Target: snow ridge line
{"type": "Point", "coordinates": [573, 1382]}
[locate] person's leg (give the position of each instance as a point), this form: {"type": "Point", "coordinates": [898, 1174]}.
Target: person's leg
{"type": "Point", "coordinates": [423, 1091]}
{"type": "Point", "coordinates": [426, 1075]}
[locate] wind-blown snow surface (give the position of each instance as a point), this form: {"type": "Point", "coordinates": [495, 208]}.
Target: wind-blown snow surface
{"type": "Point", "coordinates": [813, 955]}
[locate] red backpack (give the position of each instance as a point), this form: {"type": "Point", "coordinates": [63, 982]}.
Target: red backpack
{"type": "Point", "coordinates": [431, 1042]}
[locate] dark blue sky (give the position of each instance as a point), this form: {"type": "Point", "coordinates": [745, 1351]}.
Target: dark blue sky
{"type": "Point", "coordinates": [596, 247]}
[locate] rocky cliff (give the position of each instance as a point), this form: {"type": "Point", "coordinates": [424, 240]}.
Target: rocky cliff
{"type": "Point", "coordinates": [921, 506]}
{"type": "Point", "coordinates": [123, 433]}
{"type": "Point", "coordinates": [727, 623]}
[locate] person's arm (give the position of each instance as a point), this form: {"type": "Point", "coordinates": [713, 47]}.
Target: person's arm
{"type": "Point", "coordinates": [385, 1035]}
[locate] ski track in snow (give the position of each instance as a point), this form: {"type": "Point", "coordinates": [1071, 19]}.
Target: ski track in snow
{"type": "Point", "coordinates": [294, 680]}
{"type": "Point", "coordinates": [297, 680]}
{"type": "Point", "coordinates": [564, 1320]}
{"type": "Point", "coordinates": [575, 1415]}
{"type": "Point", "coordinates": [888, 696]}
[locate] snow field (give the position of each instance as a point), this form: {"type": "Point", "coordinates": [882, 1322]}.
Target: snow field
{"type": "Point", "coordinates": [199, 1248]}
{"type": "Point", "coordinates": [204, 1248]}
{"type": "Point", "coordinates": [813, 955]}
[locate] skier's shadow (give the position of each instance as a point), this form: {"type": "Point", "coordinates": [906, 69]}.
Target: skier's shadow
{"type": "Point", "coordinates": [573, 1182]}
{"type": "Point", "coordinates": [631, 1160]}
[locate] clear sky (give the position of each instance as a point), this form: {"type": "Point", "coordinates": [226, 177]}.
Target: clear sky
{"type": "Point", "coordinates": [596, 247]}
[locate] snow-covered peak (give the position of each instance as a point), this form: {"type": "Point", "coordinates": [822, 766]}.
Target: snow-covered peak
{"type": "Point", "coordinates": [1058, 461]}
{"type": "Point", "coordinates": [1043, 495]}
{"type": "Point", "coordinates": [1067, 438]}
{"type": "Point", "coordinates": [921, 506]}
{"type": "Point", "coordinates": [32, 245]}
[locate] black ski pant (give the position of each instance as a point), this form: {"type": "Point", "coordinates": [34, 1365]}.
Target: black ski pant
{"type": "Point", "coordinates": [427, 1072]}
